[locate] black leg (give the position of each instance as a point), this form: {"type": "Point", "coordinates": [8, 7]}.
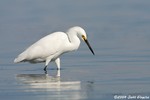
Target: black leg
{"type": "Point", "coordinates": [45, 68]}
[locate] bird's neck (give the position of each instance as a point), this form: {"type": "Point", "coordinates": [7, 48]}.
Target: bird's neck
{"type": "Point", "coordinates": [74, 40]}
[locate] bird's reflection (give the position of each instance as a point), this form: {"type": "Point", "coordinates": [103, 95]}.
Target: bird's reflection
{"type": "Point", "coordinates": [45, 81]}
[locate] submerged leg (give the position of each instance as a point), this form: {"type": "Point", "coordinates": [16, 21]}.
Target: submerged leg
{"type": "Point", "coordinates": [46, 64]}
{"type": "Point", "coordinates": [45, 69]}
{"type": "Point", "coordinates": [57, 61]}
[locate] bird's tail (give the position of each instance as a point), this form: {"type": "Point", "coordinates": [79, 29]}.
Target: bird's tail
{"type": "Point", "coordinates": [19, 59]}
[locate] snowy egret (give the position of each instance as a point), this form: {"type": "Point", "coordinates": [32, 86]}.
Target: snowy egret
{"type": "Point", "coordinates": [52, 46]}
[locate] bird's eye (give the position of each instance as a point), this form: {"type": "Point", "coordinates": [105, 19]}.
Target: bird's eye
{"type": "Point", "coordinates": [83, 37]}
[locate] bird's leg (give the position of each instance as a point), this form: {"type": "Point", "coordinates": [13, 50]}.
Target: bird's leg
{"type": "Point", "coordinates": [45, 71]}
{"type": "Point", "coordinates": [57, 61]}
{"type": "Point", "coordinates": [45, 68]}
{"type": "Point", "coordinates": [46, 64]}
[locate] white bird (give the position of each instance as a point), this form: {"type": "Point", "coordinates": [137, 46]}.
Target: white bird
{"type": "Point", "coordinates": [52, 46]}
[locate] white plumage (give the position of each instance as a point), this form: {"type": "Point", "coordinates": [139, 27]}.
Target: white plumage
{"type": "Point", "coordinates": [50, 47]}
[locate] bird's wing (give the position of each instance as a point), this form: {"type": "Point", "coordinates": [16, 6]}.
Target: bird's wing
{"type": "Point", "coordinates": [47, 46]}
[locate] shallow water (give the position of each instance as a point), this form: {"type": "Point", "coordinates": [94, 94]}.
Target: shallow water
{"type": "Point", "coordinates": [118, 32]}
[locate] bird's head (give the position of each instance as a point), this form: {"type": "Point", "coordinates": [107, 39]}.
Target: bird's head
{"type": "Point", "coordinates": [82, 34]}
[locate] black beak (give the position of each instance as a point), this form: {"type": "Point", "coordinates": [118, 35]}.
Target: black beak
{"type": "Point", "coordinates": [86, 41]}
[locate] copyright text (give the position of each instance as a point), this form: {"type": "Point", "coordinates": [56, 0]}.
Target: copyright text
{"type": "Point", "coordinates": [131, 97]}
